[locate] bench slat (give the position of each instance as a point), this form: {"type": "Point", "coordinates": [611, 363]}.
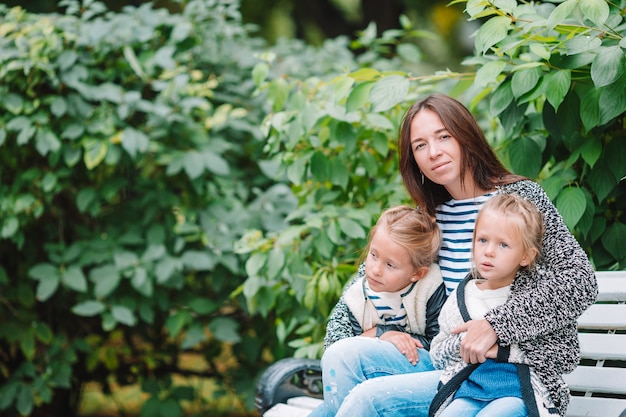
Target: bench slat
{"type": "Point", "coordinates": [284, 410]}
{"type": "Point", "coordinates": [595, 407]}
{"type": "Point", "coordinates": [604, 316]}
{"type": "Point", "coordinates": [597, 379]}
{"type": "Point", "coordinates": [602, 346]}
{"type": "Point", "coordinates": [611, 285]}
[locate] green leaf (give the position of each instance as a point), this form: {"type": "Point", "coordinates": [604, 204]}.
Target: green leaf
{"type": "Point", "coordinates": [27, 345]}
{"type": "Point", "coordinates": [123, 314]}
{"type": "Point", "coordinates": [170, 408]}
{"type": "Point", "coordinates": [10, 225]}
{"type": "Point", "coordinates": [525, 80]}
{"type": "Point", "coordinates": [525, 157]}
{"type": "Point", "coordinates": [612, 100]}
{"type": "Point", "coordinates": [88, 308]}
{"type": "Point", "coordinates": [255, 263]}
{"type": "Point", "coordinates": [203, 305]}
{"type": "Point", "coordinates": [608, 66]}
{"type": "Point", "coordinates": [338, 172]}
{"type": "Point", "coordinates": [215, 163]}
{"type": "Point", "coordinates": [225, 329]}
{"type": "Point", "coordinates": [47, 287]}
{"type": "Point", "coordinates": [74, 278]}
{"type": "Point", "coordinates": [24, 404]}
{"type": "Point", "coordinates": [501, 99]}
{"type": "Point", "coordinates": [84, 198]}
{"type": "Point", "coordinates": [43, 271]}
{"type": "Point", "coordinates": [43, 332]}
{"type": "Point", "coordinates": [559, 83]}
{"type": "Point", "coordinates": [176, 321]}
{"type": "Point", "coordinates": [561, 13]}
{"type": "Point", "coordinates": [198, 260]}
{"type": "Point", "coordinates": [106, 278]}
{"type": "Point", "coordinates": [278, 93]}
{"type": "Point", "coordinates": [73, 131]}
{"type": "Point", "coordinates": [492, 32]}
{"type": "Point", "coordinates": [193, 164]}
{"type": "Point", "coordinates": [591, 151]}
{"type": "Point", "coordinates": [193, 336]}
{"type": "Point", "coordinates": [95, 151]}
{"type": "Point", "coordinates": [134, 141]}
{"type": "Point", "coordinates": [571, 203]}
{"type": "Point", "coordinates": [25, 134]}
{"type": "Point", "coordinates": [614, 240]}
{"type": "Point", "coordinates": [141, 283]}
{"type": "Point", "coordinates": [595, 10]}
{"type": "Point", "coordinates": [351, 228]}
{"type": "Point", "coordinates": [58, 106]}
{"type": "Point", "coordinates": [388, 91]}
{"type": "Point", "coordinates": [259, 73]}
{"type": "Point", "coordinates": [359, 97]}
{"type": "Point", "coordinates": [410, 52]}
{"type": "Point", "coordinates": [590, 109]}
{"type": "Point", "coordinates": [489, 73]}
{"type": "Point", "coordinates": [13, 103]}
{"type": "Point", "coordinates": [275, 262]}
{"type": "Point", "coordinates": [601, 179]}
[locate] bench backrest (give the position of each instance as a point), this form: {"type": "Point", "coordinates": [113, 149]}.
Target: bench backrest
{"type": "Point", "coordinates": [598, 385]}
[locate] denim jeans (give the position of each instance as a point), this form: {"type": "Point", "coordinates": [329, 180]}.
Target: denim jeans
{"type": "Point", "coordinates": [369, 377]}
{"type": "Point", "coordinates": [468, 407]}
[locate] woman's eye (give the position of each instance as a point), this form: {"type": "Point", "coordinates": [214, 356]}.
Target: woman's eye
{"type": "Point", "coordinates": [419, 146]}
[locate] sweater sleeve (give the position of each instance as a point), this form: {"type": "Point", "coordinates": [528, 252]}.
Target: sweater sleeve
{"type": "Point", "coordinates": [445, 349]}
{"type": "Point", "coordinates": [560, 294]}
{"type": "Point", "coordinates": [341, 324]}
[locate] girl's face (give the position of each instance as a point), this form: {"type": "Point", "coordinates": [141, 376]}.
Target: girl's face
{"type": "Point", "coordinates": [388, 267]}
{"type": "Point", "coordinates": [497, 251]}
{"type": "Point", "coordinates": [437, 153]}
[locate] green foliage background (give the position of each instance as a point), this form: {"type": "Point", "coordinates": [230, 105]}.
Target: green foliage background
{"type": "Point", "coordinates": [171, 184]}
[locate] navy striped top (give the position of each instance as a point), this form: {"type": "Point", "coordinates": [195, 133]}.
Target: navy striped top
{"type": "Point", "coordinates": [456, 219]}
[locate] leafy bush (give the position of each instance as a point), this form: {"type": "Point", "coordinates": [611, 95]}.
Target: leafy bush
{"type": "Point", "coordinates": [128, 155]}
{"type": "Point", "coordinates": [547, 83]}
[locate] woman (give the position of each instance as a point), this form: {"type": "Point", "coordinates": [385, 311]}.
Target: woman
{"type": "Point", "coordinates": [449, 170]}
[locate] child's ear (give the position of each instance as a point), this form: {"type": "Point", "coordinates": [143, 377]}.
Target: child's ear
{"type": "Point", "coordinates": [419, 273]}
{"type": "Point", "coordinates": [529, 257]}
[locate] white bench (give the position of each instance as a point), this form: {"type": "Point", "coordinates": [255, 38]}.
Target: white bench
{"type": "Point", "coordinates": [292, 387]}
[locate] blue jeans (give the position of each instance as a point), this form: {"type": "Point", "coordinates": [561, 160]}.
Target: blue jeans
{"type": "Point", "coordinates": [364, 376]}
{"type": "Point", "coordinates": [469, 407]}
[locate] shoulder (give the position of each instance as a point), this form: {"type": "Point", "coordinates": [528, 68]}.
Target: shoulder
{"type": "Point", "coordinates": [525, 188]}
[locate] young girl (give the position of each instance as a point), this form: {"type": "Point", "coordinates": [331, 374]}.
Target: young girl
{"type": "Point", "coordinates": [506, 245]}
{"type": "Point", "coordinates": [394, 301]}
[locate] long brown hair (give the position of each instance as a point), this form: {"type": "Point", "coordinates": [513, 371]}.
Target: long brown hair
{"type": "Point", "coordinates": [477, 156]}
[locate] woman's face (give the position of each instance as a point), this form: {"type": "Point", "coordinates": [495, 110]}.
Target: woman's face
{"type": "Point", "coordinates": [436, 152]}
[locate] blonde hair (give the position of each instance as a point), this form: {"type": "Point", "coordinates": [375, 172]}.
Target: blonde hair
{"type": "Point", "coordinates": [521, 214]}
{"type": "Point", "coordinates": [412, 229]}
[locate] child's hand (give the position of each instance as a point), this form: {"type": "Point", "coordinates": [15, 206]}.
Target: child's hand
{"type": "Point", "coordinates": [404, 343]}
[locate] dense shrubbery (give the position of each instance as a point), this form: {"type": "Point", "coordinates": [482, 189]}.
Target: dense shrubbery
{"type": "Point", "coordinates": [129, 150]}
{"type": "Point", "coordinates": [148, 211]}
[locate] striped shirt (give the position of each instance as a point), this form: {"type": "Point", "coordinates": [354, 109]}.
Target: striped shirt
{"type": "Point", "coordinates": [456, 219]}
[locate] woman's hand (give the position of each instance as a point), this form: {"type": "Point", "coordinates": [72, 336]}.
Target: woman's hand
{"type": "Point", "coordinates": [479, 339]}
{"type": "Point", "coordinates": [406, 344]}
